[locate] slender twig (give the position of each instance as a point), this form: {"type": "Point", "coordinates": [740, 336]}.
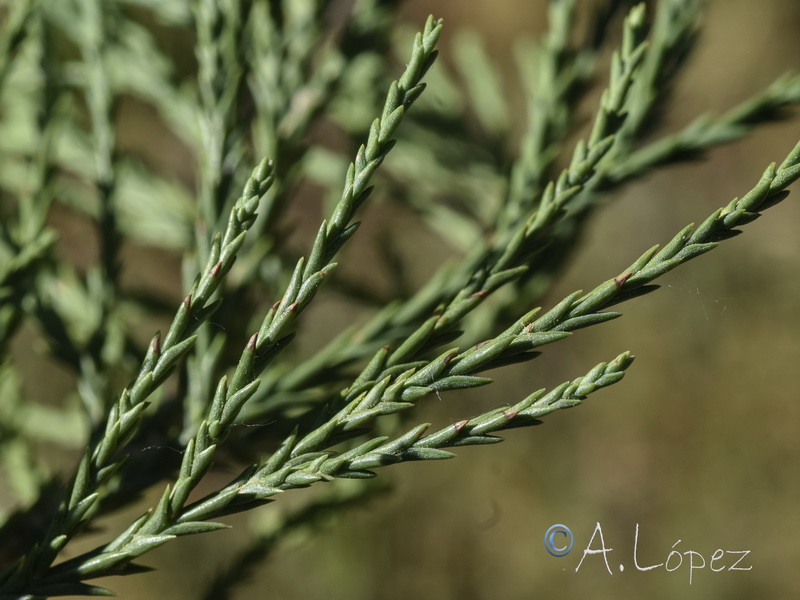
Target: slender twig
{"type": "Point", "coordinates": [102, 459]}
{"type": "Point", "coordinates": [505, 259]}
{"type": "Point", "coordinates": [169, 519]}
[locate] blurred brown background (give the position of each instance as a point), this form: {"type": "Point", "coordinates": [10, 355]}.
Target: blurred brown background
{"type": "Point", "coordinates": [698, 444]}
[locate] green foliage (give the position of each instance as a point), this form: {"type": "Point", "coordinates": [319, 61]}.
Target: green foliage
{"type": "Point", "coordinates": [268, 78]}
